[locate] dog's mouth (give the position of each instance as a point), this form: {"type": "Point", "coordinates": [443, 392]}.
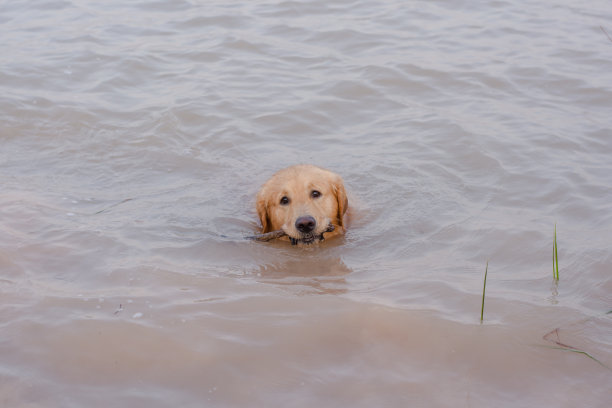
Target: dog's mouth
{"type": "Point", "coordinates": [311, 238]}
{"type": "Point", "coordinates": [306, 239]}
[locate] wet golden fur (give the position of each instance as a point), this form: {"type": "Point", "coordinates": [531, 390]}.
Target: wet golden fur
{"type": "Point", "coordinates": [291, 193]}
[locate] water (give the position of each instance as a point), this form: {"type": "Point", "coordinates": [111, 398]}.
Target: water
{"type": "Point", "coordinates": [134, 137]}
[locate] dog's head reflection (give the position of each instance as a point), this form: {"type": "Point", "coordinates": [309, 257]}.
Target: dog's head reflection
{"type": "Point", "coordinates": [319, 275]}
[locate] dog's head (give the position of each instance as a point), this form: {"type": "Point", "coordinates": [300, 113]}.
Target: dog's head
{"type": "Point", "coordinates": [304, 201]}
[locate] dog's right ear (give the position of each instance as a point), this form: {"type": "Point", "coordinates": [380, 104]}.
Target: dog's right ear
{"type": "Point", "coordinates": [262, 212]}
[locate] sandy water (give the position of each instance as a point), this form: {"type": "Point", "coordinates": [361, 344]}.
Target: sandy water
{"type": "Point", "coordinates": [134, 136]}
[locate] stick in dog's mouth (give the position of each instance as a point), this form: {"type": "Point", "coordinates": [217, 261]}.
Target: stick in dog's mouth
{"type": "Point", "coordinates": [269, 236]}
{"type": "Point", "coordinates": [311, 238]}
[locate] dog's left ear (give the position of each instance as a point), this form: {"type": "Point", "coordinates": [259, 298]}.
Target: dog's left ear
{"type": "Point", "coordinates": [340, 191]}
{"type": "Point", "coordinates": [262, 211]}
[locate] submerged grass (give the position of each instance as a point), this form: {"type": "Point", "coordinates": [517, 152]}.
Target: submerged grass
{"type": "Point", "coordinates": [484, 288]}
{"type": "Point", "coordinates": [555, 257]}
{"type": "Point", "coordinates": [584, 353]}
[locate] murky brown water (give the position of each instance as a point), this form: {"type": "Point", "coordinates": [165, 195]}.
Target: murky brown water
{"type": "Point", "coordinates": [134, 136]}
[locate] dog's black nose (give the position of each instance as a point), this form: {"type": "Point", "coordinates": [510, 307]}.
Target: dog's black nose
{"type": "Point", "coordinates": [305, 224]}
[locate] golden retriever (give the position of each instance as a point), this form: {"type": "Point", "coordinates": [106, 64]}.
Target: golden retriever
{"type": "Point", "coordinates": [305, 202]}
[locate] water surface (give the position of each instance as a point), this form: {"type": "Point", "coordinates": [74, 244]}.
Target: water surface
{"type": "Point", "coordinates": [134, 137]}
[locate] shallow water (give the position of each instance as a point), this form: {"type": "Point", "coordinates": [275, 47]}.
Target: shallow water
{"type": "Point", "coordinates": [135, 135]}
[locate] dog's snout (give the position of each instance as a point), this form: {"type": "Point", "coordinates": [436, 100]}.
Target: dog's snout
{"type": "Point", "coordinates": [305, 224]}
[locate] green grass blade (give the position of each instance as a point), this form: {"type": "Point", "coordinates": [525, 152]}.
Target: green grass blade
{"type": "Point", "coordinates": [555, 257]}
{"type": "Point", "coordinates": [484, 288]}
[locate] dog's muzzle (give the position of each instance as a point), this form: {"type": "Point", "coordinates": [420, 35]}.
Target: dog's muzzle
{"type": "Point", "coordinates": [309, 237]}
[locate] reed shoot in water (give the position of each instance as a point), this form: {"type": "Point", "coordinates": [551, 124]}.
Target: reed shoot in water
{"type": "Point", "coordinates": [484, 288]}
{"type": "Point", "coordinates": [555, 257]}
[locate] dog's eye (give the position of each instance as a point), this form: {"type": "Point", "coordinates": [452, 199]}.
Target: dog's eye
{"type": "Point", "coordinates": [284, 200]}
{"type": "Point", "coordinates": [315, 194]}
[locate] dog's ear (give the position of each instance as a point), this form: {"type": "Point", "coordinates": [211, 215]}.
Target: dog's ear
{"type": "Point", "coordinates": [262, 211]}
{"type": "Point", "coordinates": [340, 191]}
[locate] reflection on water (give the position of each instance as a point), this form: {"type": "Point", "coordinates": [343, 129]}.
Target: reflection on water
{"type": "Point", "coordinates": [134, 137]}
{"type": "Point", "coordinates": [316, 275]}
